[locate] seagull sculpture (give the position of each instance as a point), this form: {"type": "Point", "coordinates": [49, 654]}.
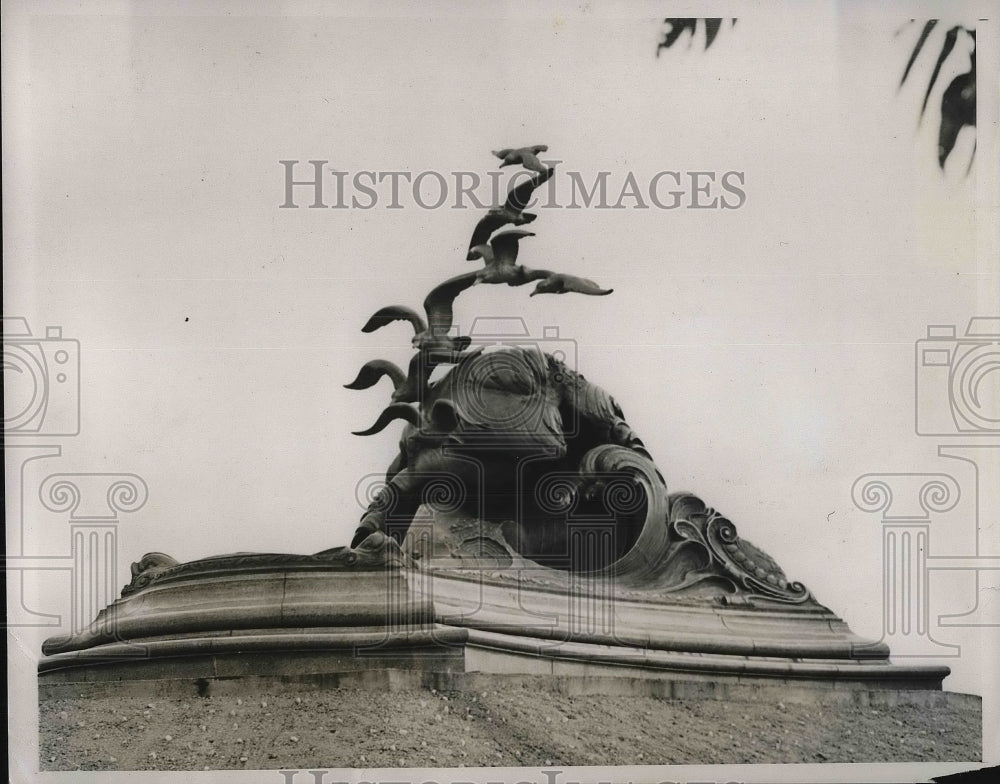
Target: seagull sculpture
{"type": "Point", "coordinates": [511, 212]}
{"type": "Point", "coordinates": [406, 388]}
{"type": "Point", "coordinates": [389, 414]}
{"type": "Point", "coordinates": [561, 283]}
{"type": "Point", "coordinates": [443, 418]}
{"type": "Point", "coordinates": [431, 339]}
{"type": "Point", "coordinates": [431, 336]}
{"type": "Point", "coordinates": [372, 372]}
{"type": "Point", "coordinates": [500, 257]}
{"type": "Point", "coordinates": [526, 156]}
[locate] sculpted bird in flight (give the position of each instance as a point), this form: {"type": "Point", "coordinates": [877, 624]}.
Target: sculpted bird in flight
{"type": "Point", "coordinates": [404, 385]}
{"type": "Point", "coordinates": [511, 212]}
{"type": "Point", "coordinates": [431, 339]}
{"type": "Point", "coordinates": [500, 257]}
{"type": "Point", "coordinates": [430, 336]}
{"type": "Point", "coordinates": [561, 283]}
{"type": "Point", "coordinates": [443, 418]}
{"type": "Point", "coordinates": [389, 414]}
{"type": "Point", "coordinates": [372, 372]}
{"type": "Point", "coordinates": [408, 387]}
{"type": "Point", "coordinates": [526, 156]}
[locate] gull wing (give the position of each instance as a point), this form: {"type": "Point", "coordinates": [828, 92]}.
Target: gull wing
{"type": "Point", "coordinates": [389, 414]}
{"type": "Point", "coordinates": [486, 226]}
{"type": "Point", "coordinates": [439, 303]}
{"type": "Point", "coordinates": [519, 196]}
{"type": "Point", "coordinates": [582, 286]}
{"type": "Point", "coordinates": [395, 313]}
{"type": "Point", "coordinates": [371, 372]}
{"type": "Point", "coordinates": [505, 245]}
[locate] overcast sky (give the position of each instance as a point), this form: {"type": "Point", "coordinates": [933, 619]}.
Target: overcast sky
{"type": "Point", "coordinates": [764, 354]}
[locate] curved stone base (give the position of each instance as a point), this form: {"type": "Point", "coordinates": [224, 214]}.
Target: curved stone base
{"type": "Point", "coordinates": [332, 658]}
{"type": "Point", "coordinates": [348, 612]}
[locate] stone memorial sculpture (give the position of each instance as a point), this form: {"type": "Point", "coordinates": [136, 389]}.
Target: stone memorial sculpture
{"type": "Point", "coordinates": [521, 524]}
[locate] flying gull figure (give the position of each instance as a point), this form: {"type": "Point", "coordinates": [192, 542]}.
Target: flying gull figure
{"type": "Point", "coordinates": [511, 212]}
{"type": "Point", "coordinates": [407, 387]}
{"type": "Point", "coordinates": [389, 414]}
{"type": "Point", "coordinates": [500, 257]}
{"type": "Point", "coordinates": [561, 283]}
{"type": "Point", "coordinates": [443, 418]}
{"type": "Point", "coordinates": [404, 385]}
{"type": "Point", "coordinates": [431, 339]}
{"type": "Point", "coordinates": [526, 156]}
{"type": "Point", "coordinates": [372, 372]}
{"type": "Point", "coordinates": [431, 336]}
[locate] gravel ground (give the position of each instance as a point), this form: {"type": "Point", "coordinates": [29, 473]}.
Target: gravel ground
{"type": "Point", "coordinates": [516, 726]}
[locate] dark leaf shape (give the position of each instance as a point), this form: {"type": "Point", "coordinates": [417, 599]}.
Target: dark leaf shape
{"type": "Point", "coordinates": [677, 28]}
{"type": "Point", "coordinates": [958, 109]}
{"type": "Point", "coordinates": [712, 27]}
{"type": "Point", "coordinates": [389, 414]}
{"type": "Point", "coordinates": [949, 43]}
{"type": "Point", "coordinates": [958, 101]}
{"type": "Point", "coordinates": [680, 26]}
{"type": "Point", "coordinates": [928, 28]}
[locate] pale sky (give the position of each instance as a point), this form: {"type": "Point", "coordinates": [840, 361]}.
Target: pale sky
{"type": "Point", "coordinates": [764, 354]}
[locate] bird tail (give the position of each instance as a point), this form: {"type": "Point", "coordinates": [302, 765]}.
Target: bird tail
{"type": "Point", "coordinates": [392, 313]}
{"type": "Point", "coordinates": [371, 372]}
{"type": "Point", "coordinates": [389, 414]}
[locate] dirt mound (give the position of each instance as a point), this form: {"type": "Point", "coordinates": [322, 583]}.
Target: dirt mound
{"type": "Point", "coordinates": [517, 726]}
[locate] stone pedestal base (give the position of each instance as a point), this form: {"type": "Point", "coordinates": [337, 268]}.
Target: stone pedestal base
{"type": "Point", "coordinates": [356, 613]}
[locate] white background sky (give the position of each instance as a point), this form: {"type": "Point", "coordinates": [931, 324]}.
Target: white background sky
{"type": "Point", "coordinates": [765, 355]}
